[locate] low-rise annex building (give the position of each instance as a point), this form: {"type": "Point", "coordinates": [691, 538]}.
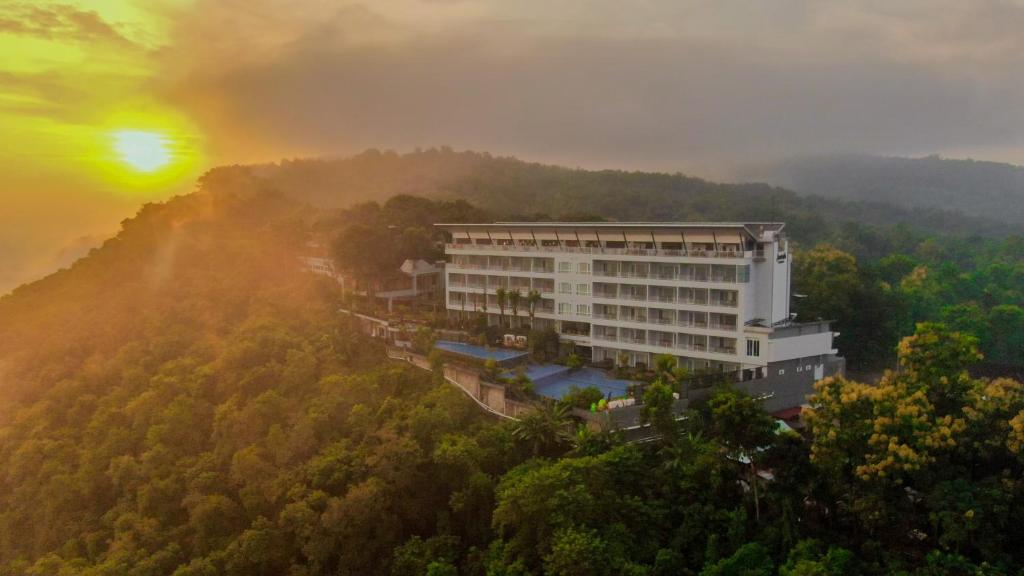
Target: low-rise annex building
{"type": "Point", "coordinates": [714, 295]}
{"type": "Point", "coordinates": [413, 281]}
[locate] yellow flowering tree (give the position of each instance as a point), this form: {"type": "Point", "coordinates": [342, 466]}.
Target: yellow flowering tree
{"type": "Point", "coordinates": [927, 448]}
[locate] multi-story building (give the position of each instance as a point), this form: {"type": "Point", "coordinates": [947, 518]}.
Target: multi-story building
{"type": "Point", "coordinates": [715, 295]}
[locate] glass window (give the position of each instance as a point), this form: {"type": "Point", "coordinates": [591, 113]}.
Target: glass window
{"type": "Point", "coordinates": [582, 310]}
{"type": "Point", "coordinates": [743, 273]}
{"type": "Point", "coordinates": [564, 308]}
{"type": "Point", "coordinates": [565, 267]}
{"type": "Point", "coordinates": [564, 288]}
{"type": "Point", "coordinates": [753, 347]}
{"type": "Point", "coordinates": [583, 268]}
{"type": "Point", "coordinates": [583, 289]}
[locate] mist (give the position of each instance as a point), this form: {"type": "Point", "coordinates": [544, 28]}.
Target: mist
{"type": "Point", "coordinates": [705, 88]}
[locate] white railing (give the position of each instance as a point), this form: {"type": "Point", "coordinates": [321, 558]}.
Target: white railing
{"type": "Point", "coordinates": [616, 251]}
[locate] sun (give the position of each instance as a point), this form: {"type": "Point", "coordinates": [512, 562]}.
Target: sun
{"type": "Point", "coordinates": [143, 150]}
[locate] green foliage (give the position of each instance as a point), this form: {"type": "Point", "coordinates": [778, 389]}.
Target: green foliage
{"type": "Point", "coordinates": [658, 410]}
{"type": "Point", "coordinates": [423, 340]}
{"type": "Point", "coordinates": [807, 559]}
{"type": "Point", "coordinates": [543, 431]}
{"type": "Point", "coordinates": [573, 361]}
{"type": "Point", "coordinates": [578, 397]}
{"type": "Point", "coordinates": [750, 560]}
{"type": "Point", "coordinates": [186, 401]}
{"type": "Point", "coordinates": [543, 345]}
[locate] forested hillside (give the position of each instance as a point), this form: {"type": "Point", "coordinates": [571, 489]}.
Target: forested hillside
{"type": "Point", "coordinates": [981, 189]}
{"type": "Point", "coordinates": [899, 266]}
{"type": "Point", "coordinates": [186, 401]}
{"type": "Point", "coordinates": [522, 190]}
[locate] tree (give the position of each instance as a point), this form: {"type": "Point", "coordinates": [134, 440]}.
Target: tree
{"type": "Point", "coordinates": [740, 424]}
{"type": "Point", "coordinates": [366, 252]}
{"type": "Point", "coordinates": [502, 296]}
{"type": "Point", "coordinates": [514, 298]}
{"type": "Point", "coordinates": [658, 411]}
{"type": "Point", "coordinates": [544, 430]}
{"type": "Point", "coordinates": [533, 299]}
{"type": "Point", "coordinates": [750, 560]}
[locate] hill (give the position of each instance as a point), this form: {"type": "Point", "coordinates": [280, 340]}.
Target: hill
{"type": "Point", "coordinates": [981, 189]}
{"type": "Point", "coordinates": [184, 400]}
{"type": "Point", "coordinates": [513, 189]}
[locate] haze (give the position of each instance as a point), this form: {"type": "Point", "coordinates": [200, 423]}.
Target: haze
{"type": "Point", "coordinates": [699, 87]}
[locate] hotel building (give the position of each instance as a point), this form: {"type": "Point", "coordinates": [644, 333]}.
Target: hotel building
{"type": "Point", "coordinates": [714, 295]}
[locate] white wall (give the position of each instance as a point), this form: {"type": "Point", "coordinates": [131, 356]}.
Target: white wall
{"type": "Point", "coordinates": [780, 284]}
{"type": "Point", "coordinates": [780, 349]}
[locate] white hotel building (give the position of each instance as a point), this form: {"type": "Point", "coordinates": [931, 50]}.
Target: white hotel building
{"type": "Point", "coordinates": [715, 295]}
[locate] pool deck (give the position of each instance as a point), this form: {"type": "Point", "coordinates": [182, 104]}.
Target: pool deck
{"type": "Point", "coordinates": [551, 380]}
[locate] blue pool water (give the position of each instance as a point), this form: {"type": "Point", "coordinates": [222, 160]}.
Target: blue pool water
{"type": "Point", "coordinates": [478, 352]}
{"type": "Point", "coordinates": [551, 380]}
{"type": "Point", "coordinates": [555, 381]}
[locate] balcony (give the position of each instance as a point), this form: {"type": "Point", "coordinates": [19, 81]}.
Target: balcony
{"type": "Point", "coordinates": [722, 349]}
{"type": "Point", "coordinates": [692, 324]}
{"type": "Point", "coordinates": [603, 250]}
{"type": "Point", "coordinates": [637, 318]}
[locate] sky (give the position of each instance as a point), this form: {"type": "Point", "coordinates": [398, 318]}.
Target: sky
{"type": "Point", "coordinates": [699, 86]}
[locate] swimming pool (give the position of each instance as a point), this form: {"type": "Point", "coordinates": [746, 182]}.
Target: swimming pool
{"type": "Point", "coordinates": [555, 381]}
{"type": "Point", "coordinates": [499, 355]}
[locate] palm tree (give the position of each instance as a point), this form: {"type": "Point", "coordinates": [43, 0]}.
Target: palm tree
{"type": "Point", "coordinates": [514, 297]}
{"type": "Point", "coordinates": [502, 296]}
{"type": "Point", "coordinates": [545, 430]}
{"type": "Point", "coordinates": [532, 300]}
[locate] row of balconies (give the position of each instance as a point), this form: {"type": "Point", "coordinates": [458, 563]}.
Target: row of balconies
{"type": "Point", "coordinates": [672, 340]}
{"type": "Point", "coordinates": [686, 318]}
{"type": "Point", "coordinates": [679, 272]}
{"type": "Point", "coordinates": [512, 283]}
{"type": "Point", "coordinates": [635, 249]}
{"type": "Point", "coordinates": [475, 302]}
{"type": "Point", "coordinates": [504, 263]}
{"type": "Point", "coordinates": [667, 294]}
{"type": "Point", "coordinates": [725, 273]}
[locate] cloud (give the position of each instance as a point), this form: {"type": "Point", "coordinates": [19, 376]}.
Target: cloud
{"type": "Point", "coordinates": [692, 85]}
{"type": "Point", "coordinates": [58, 22]}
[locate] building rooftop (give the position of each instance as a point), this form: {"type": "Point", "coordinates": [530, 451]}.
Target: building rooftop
{"type": "Point", "coordinates": [752, 225]}
{"type": "Point", "coordinates": [558, 230]}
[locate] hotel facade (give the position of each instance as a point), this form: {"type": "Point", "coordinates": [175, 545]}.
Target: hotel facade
{"type": "Point", "coordinates": [714, 295]}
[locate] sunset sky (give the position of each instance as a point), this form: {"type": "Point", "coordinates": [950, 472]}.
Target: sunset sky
{"type": "Point", "coordinates": [105, 105]}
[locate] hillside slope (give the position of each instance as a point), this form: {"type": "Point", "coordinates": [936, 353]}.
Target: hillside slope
{"type": "Point", "coordinates": [513, 188]}
{"type": "Point", "coordinates": [981, 189]}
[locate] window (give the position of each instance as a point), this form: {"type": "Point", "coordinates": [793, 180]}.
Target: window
{"type": "Point", "coordinates": [564, 308]}
{"type": "Point", "coordinates": [583, 268]}
{"type": "Point", "coordinates": [799, 369]}
{"type": "Point", "coordinates": [565, 267]}
{"type": "Point", "coordinates": [582, 310]}
{"type": "Point", "coordinates": [564, 288]}
{"type": "Point", "coordinates": [753, 347]}
{"type": "Point", "coordinates": [583, 289]}
{"type": "Point", "coordinates": [781, 372]}
{"type": "Point", "coordinates": [743, 273]}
